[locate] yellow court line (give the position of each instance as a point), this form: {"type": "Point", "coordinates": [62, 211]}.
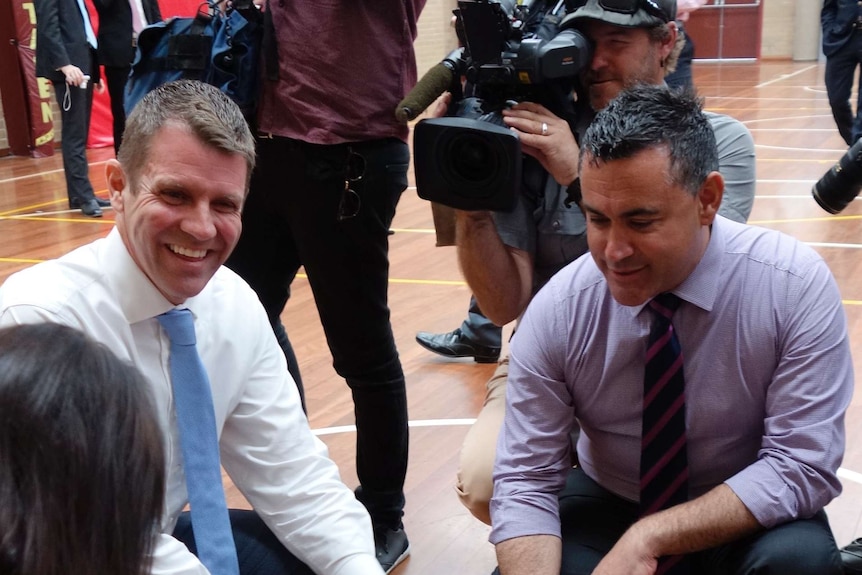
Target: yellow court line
{"type": "Point", "coordinates": [52, 218]}
{"type": "Point", "coordinates": [392, 280]}
{"type": "Point", "coordinates": [20, 261]}
{"type": "Point", "coordinates": [415, 230]}
{"type": "Point", "coordinates": [418, 282]}
{"type": "Point", "coordinates": [798, 220]}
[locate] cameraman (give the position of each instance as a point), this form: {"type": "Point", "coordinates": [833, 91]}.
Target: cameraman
{"type": "Point", "coordinates": [507, 257]}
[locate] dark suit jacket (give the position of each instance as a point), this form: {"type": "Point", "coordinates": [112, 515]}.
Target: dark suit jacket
{"type": "Point", "coordinates": [61, 39]}
{"type": "Point", "coordinates": [836, 20]}
{"type": "Point", "coordinates": [115, 29]}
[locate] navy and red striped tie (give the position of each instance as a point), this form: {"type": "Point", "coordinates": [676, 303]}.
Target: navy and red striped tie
{"type": "Point", "coordinates": [664, 460]}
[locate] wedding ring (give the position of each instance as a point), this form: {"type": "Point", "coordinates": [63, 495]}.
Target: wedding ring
{"type": "Point", "coordinates": [544, 129]}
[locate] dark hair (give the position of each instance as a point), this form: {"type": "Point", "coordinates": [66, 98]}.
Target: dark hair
{"type": "Point", "coordinates": [204, 109]}
{"type": "Point", "coordinates": [651, 116]}
{"type": "Point", "coordinates": [82, 465]}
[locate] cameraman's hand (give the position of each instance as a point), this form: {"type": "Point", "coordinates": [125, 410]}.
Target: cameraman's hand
{"type": "Point", "coordinates": [440, 106]}
{"type": "Point", "coordinates": [547, 138]}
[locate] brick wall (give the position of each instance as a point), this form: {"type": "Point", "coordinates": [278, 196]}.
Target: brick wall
{"type": "Point", "coordinates": [437, 38]}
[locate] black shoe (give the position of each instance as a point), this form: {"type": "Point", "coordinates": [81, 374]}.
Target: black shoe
{"type": "Point", "coordinates": [75, 203]}
{"type": "Point", "coordinates": [91, 208]}
{"type": "Point", "coordinates": [454, 344]}
{"type": "Point", "coordinates": [851, 557]}
{"type": "Point", "coordinates": [392, 547]}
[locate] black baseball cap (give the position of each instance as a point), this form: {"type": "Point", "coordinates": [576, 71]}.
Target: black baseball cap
{"type": "Point", "coordinates": [627, 13]}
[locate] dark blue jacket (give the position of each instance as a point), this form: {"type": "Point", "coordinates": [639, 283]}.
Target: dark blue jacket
{"type": "Point", "coordinates": [836, 19]}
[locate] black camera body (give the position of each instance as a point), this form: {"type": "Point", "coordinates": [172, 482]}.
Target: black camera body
{"type": "Point", "coordinates": [842, 183]}
{"type": "Point", "coordinates": [471, 160]}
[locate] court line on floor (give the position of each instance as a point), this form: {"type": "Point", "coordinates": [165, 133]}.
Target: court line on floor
{"type": "Point", "coordinates": [842, 473]}
{"type": "Point", "coordinates": [45, 173]}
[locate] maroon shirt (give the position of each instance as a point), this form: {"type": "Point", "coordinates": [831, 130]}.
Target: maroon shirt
{"type": "Point", "coordinates": [343, 67]}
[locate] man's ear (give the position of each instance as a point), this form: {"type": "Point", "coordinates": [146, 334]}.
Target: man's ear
{"type": "Point", "coordinates": [668, 45]}
{"type": "Point", "coordinates": [118, 181]}
{"type": "Point", "coordinates": [709, 197]}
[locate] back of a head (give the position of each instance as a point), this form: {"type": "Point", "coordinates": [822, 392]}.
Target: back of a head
{"type": "Point", "coordinates": [82, 465]}
{"type": "Point", "coordinates": [648, 116]}
{"type": "Point", "coordinates": [206, 111]}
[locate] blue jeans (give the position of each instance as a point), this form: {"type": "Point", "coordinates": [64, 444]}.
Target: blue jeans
{"type": "Point", "coordinates": [291, 219]}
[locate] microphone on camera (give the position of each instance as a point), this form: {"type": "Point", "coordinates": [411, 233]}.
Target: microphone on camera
{"type": "Point", "coordinates": [436, 81]}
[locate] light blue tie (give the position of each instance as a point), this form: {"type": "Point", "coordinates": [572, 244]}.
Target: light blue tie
{"type": "Point", "coordinates": [88, 28]}
{"type": "Point", "coordinates": [199, 441]}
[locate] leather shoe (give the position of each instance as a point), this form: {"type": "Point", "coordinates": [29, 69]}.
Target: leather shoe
{"type": "Point", "coordinates": [455, 344]}
{"type": "Point", "coordinates": [91, 208]}
{"type": "Point", "coordinates": [75, 203]}
{"type": "Point", "coordinates": [851, 557]}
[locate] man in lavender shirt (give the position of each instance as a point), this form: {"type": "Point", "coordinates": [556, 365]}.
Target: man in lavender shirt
{"type": "Point", "coordinates": [767, 367]}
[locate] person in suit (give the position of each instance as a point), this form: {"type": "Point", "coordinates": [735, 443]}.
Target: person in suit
{"type": "Point", "coordinates": [66, 55]}
{"type": "Point", "coordinates": [841, 21]}
{"type": "Point", "coordinates": [120, 22]}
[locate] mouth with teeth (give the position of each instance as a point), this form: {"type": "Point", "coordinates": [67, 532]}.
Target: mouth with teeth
{"type": "Point", "coordinates": [187, 252]}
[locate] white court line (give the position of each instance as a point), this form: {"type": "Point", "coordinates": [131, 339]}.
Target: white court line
{"type": "Point", "coordinates": [850, 475]}
{"type": "Point", "coordinates": [842, 473]}
{"type": "Point", "coordinates": [783, 77]}
{"type": "Point", "coordinates": [417, 423]}
{"type": "Point", "coordinates": [832, 245]}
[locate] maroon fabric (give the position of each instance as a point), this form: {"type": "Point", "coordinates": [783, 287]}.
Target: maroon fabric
{"type": "Point", "coordinates": [323, 98]}
{"type": "Point", "coordinates": [38, 92]}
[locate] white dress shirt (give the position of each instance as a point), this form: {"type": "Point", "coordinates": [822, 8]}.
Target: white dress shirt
{"type": "Point", "coordinates": [266, 445]}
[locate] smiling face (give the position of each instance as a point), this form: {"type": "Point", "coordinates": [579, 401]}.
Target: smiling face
{"type": "Point", "coordinates": [645, 234]}
{"type": "Point", "coordinates": [623, 57]}
{"type": "Point", "coordinates": [183, 219]}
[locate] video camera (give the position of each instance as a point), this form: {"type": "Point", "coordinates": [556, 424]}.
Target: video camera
{"type": "Point", "coordinates": [511, 53]}
{"type": "Point", "coordinates": [842, 183]}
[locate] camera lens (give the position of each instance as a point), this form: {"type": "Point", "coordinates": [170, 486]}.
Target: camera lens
{"type": "Point", "coordinates": [471, 158]}
{"type": "Point", "coordinates": [842, 183]}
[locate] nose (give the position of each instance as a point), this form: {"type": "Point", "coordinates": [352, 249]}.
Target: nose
{"type": "Point", "coordinates": [198, 222]}
{"type": "Point", "coordinates": [617, 245]}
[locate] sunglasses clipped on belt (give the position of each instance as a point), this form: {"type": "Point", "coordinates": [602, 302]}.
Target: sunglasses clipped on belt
{"type": "Point", "coordinates": [651, 7]}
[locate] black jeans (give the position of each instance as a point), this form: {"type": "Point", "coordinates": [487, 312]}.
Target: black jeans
{"type": "Point", "coordinates": [291, 219]}
{"type": "Point", "coordinates": [840, 69]}
{"type": "Point", "coordinates": [593, 519]}
{"type": "Point", "coordinates": [258, 550]}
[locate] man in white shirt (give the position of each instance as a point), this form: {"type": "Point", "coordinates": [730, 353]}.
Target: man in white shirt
{"type": "Point", "coordinates": [178, 189]}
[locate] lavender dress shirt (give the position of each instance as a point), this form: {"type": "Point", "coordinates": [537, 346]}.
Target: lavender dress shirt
{"type": "Point", "coordinates": [768, 378]}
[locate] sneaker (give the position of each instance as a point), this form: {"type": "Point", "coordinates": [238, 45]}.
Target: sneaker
{"type": "Point", "coordinates": [392, 547]}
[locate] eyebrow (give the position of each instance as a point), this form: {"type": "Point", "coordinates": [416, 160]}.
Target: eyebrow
{"type": "Point", "coordinates": [633, 213]}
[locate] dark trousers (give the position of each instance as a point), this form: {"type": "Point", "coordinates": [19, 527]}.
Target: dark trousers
{"type": "Point", "coordinates": [116, 77]}
{"type": "Point", "coordinates": [291, 219]}
{"type": "Point", "coordinates": [479, 329]}
{"type": "Point", "coordinates": [593, 519]}
{"type": "Point", "coordinates": [840, 68]}
{"type": "Point", "coordinates": [259, 551]}
{"type": "Point", "coordinates": [75, 105]}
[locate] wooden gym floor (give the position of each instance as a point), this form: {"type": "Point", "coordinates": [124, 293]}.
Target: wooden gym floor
{"type": "Point", "coordinates": [784, 105]}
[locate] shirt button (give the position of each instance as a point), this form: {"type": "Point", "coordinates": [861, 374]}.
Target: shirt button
{"type": "Point", "coordinates": [556, 224]}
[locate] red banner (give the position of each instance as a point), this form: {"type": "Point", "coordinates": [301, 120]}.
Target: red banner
{"type": "Point", "coordinates": [38, 89]}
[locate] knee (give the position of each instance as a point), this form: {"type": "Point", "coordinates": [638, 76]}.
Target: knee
{"type": "Point", "coordinates": [474, 489]}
